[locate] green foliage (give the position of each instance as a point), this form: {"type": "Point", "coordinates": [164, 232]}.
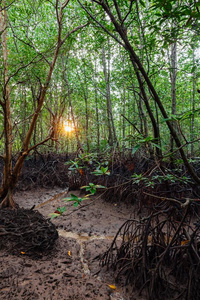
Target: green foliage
{"type": "Point", "coordinates": [145, 141]}
{"type": "Point", "coordinates": [101, 171]}
{"type": "Point", "coordinates": [92, 188]}
{"type": "Point", "coordinates": [58, 212]}
{"type": "Point", "coordinates": [151, 181]}
{"type": "Point", "coordinates": [74, 165]}
{"type": "Point", "coordinates": [77, 200]}
{"type": "Point", "coordinates": [32, 36]}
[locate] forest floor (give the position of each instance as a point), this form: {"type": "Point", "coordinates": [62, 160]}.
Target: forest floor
{"type": "Point", "coordinates": [69, 271]}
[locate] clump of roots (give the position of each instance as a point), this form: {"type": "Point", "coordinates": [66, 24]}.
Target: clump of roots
{"type": "Point", "coordinates": [26, 231]}
{"type": "Point", "coordinates": [158, 256]}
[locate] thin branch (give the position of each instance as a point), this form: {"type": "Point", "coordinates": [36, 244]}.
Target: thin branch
{"type": "Point", "coordinates": [182, 146]}
{"type": "Point", "coordinates": [102, 26]}
{"type": "Point", "coordinates": [65, 4]}
{"type": "Point", "coordinates": [118, 11]}
{"type": "Point", "coordinates": [187, 200]}
{"type": "Point", "coordinates": [41, 143]}
{"type": "Point", "coordinates": [128, 13]}
{"type": "Point", "coordinates": [131, 123]}
{"type": "Point", "coordinates": [21, 68]}
{"type": "Point", "coordinates": [6, 7]}
{"type": "Point", "coordinates": [72, 31]}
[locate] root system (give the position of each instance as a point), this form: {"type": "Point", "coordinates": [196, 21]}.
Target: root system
{"type": "Point", "coordinates": [158, 256]}
{"type": "Point", "coordinates": [24, 231]}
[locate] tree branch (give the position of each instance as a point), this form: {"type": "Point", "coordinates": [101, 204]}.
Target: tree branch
{"type": "Point", "coordinates": [102, 26]}
{"type": "Point", "coordinates": [72, 31]}
{"type": "Point", "coordinates": [41, 143]}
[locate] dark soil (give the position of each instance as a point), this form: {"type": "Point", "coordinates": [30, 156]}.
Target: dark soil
{"type": "Point", "coordinates": [70, 270]}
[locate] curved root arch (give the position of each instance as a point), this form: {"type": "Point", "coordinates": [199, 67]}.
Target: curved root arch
{"type": "Point", "coordinates": [158, 254]}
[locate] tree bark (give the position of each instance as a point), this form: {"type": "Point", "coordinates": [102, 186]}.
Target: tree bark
{"type": "Point", "coordinates": [106, 69]}
{"type": "Point", "coordinates": [193, 100]}
{"type": "Point", "coordinates": [11, 177]}
{"type": "Point", "coordinates": [173, 76]}
{"type": "Point", "coordinates": [136, 61]}
{"type": "Point", "coordinates": [6, 189]}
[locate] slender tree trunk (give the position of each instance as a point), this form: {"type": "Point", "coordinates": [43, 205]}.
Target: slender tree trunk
{"type": "Point", "coordinates": [142, 47]}
{"type": "Point", "coordinates": [6, 190]}
{"type": "Point", "coordinates": [97, 116]}
{"type": "Point", "coordinates": [85, 93]}
{"type": "Point", "coordinates": [173, 76]}
{"type": "Point", "coordinates": [65, 76]}
{"type": "Point", "coordinates": [123, 106]}
{"type": "Point", "coordinates": [11, 177]}
{"type": "Point", "coordinates": [80, 147]}
{"type": "Point", "coordinates": [193, 101]}
{"type": "Point", "coordinates": [108, 100]}
{"type": "Point", "coordinates": [136, 61]}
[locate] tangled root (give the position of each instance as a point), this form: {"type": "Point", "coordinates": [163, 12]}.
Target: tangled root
{"type": "Point", "coordinates": [158, 255]}
{"type": "Point", "coordinates": [26, 230]}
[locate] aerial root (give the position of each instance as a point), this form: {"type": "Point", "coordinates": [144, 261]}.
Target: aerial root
{"type": "Point", "coordinates": [158, 255]}
{"type": "Point", "coordinates": [26, 231]}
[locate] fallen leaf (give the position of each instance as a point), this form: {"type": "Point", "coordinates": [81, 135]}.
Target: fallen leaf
{"type": "Point", "coordinates": [81, 172]}
{"type": "Point", "coordinates": [185, 242]}
{"type": "Point", "coordinates": [112, 286]}
{"type": "Point", "coordinates": [23, 252]}
{"type": "Point", "coordinates": [69, 253]}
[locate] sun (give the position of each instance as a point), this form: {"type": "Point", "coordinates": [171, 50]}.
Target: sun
{"type": "Point", "coordinates": [68, 128]}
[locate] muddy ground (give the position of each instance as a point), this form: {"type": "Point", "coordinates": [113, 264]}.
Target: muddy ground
{"type": "Point", "coordinates": [70, 270]}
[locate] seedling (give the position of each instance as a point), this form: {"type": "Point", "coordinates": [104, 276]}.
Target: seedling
{"type": "Point", "coordinates": [101, 171]}
{"type": "Point", "coordinates": [77, 200]}
{"type": "Point", "coordinates": [58, 212]}
{"type": "Point", "coordinates": [74, 165]}
{"type": "Point", "coordinates": [92, 188]}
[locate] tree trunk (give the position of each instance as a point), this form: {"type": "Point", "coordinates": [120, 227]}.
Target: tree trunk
{"type": "Point", "coordinates": [65, 76]}
{"type": "Point", "coordinates": [106, 69]}
{"type": "Point", "coordinates": [193, 100]}
{"type": "Point", "coordinates": [10, 177]}
{"type": "Point", "coordinates": [6, 189]}
{"type": "Point", "coordinates": [85, 93]}
{"type": "Point", "coordinates": [123, 106]}
{"type": "Point", "coordinates": [173, 76]}
{"type": "Point", "coordinates": [136, 61]}
{"type": "Point", "coordinates": [97, 113]}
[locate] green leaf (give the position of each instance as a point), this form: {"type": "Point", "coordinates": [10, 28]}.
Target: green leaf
{"type": "Point", "coordinates": [71, 198]}
{"type": "Point", "coordinates": [54, 215]}
{"type": "Point", "coordinates": [135, 148]}
{"type": "Point", "coordinates": [100, 186]}
{"type": "Point", "coordinates": [142, 3]}
{"type": "Point", "coordinates": [156, 145]}
{"type": "Point", "coordinates": [168, 6]}
{"type": "Point", "coordinates": [83, 187]}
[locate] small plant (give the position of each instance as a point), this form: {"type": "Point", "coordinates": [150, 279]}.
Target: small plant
{"type": "Point", "coordinates": [77, 200]}
{"type": "Point", "coordinates": [138, 178]}
{"type": "Point", "coordinates": [145, 141]}
{"type": "Point", "coordinates": [58, 212]}
{"type": "Point", "coordinates": [151, 181]}
{"type": "Point", "coordinates": [92, 188]}
{"type": "Point", "coordinates": [74, 165]}
{"type": "Point", "coordinates": [101, 171]}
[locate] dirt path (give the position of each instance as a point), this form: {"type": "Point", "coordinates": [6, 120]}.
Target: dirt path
{"type": "Point", "coordinates": [69, 271]}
